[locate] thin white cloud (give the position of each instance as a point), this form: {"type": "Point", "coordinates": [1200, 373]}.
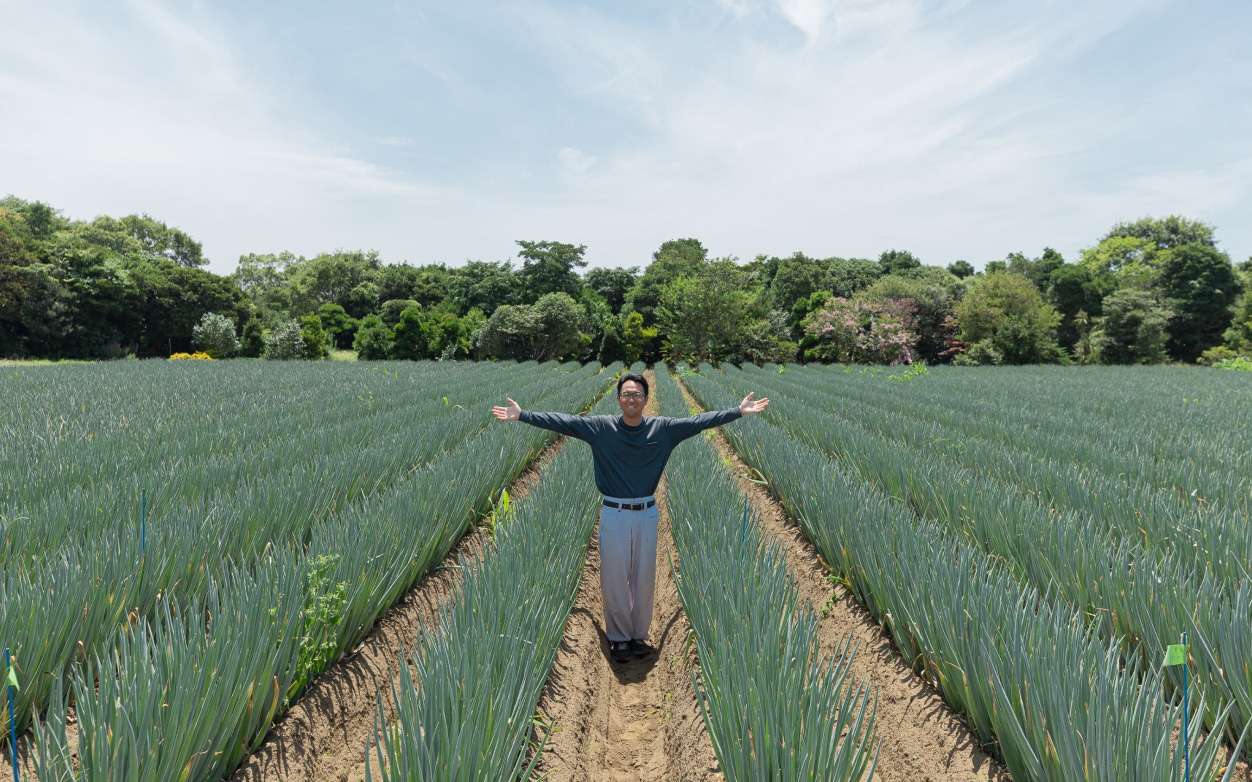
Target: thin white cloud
{"type": "Point", "coordinates": [146, 111]}
{"type": "Point", "coordinates": [575, 162]}
{"type": "Point", "coordinates": [829, 126]}
{"type": "Point", "coordinates": [897, 128]}
{"type": "Point", "coordinates": [807, 15]}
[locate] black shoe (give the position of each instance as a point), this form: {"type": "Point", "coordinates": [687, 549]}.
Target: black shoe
{"type": "Point", "coordinates": [641, 648]}
{"type": "Point", "coordinates": [620, 651]}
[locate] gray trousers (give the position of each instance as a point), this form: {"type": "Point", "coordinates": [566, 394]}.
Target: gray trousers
{"type": "Point", "coordinates": [627, 568]}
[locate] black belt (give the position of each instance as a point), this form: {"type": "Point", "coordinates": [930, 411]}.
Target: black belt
{"type": "Point", "coordinates": [623, 506]}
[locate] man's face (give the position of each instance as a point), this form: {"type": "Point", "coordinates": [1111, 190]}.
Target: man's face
{"type": "Point", "coordinates": [631, 398]}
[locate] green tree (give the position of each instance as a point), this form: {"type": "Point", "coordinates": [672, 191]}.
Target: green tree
{"type": "Point", "coordinates": [107, 233]}
{"type": "Point", "coordinates": [1123, 262]}
{"type": "Point", "coordinates": [472, 325]}
{"type": "Point", "coordinates": [638, 341]}
{"type": "Point", "coordinates": [373, 339]}
{"type": "Point", "coordinates": [601, 329]}
{"type": "Point", "coordinates": [252, 341]}
{"type": "Point", "coordinates": [1199, 286]}
{"type": "Point", "coordinates": [961, 269]}
{"type": "Point", "coordinates": [390, 311]}
{"type": "Point", "coordinates": [546, 330]}
{"type": "Point", "coordinates": [313, 336]}
{"type": "Point", "coordinates": [1073, 288]}
{"type": "Point", "coordinates": [795, 278]}
{"type": "Point", "coordinates": [1133, 329]}
{"type": "Point", "coordinates": [103, 288]}
{"type": "Point", "coordinates": [1037, 270]}
{"type": "Point", "coordinates": [846, 276]}
{"type": "Point", "coordinates": [483, 285]}
{"type": "Point", "coordinates": [671, 260]}
{"type": "Point", "coordinates": [509, 332]}
{"type": "Point", "coordinates": [1239, 336]}
{"type": "Point", "coordinates": [980, 354]}
{"type": "Point", "coordinates": [1009, 310]}
{"type": "Point", "coordinates": [1166, 233]}
{"type": "Point", "coordinates": [336, 322]}
{"type": "Point", "coordinates": [408, 341]}
{"type": "Point", "coordinates": [612, 284]}
{"type": "Point", "coordinates": [43, 316]}
{"type": "Point", "coordinates": [896, 261]}
{"type": "Point", "coordinates": [803, 308]}
{"type": "Point", "coordinates": [346, 278]}
{"type": "Point", "coordinates": [701, 315]}
{"type": "Point", "coordinates": [549, 267]}
{"type": "Point", "coordinates": [560, 317]}
{"type": "Point", "coordinates": [768, 339]}
{"type": "Point", "coordinates": [267, 283]}
{"type": "Point", "coordinates": [159, 239]}
{"type": "Point", "coordinates": [91, 303]}
{"type": "Point", "coordinates": [929, 275]}
{"type": "Point", "coordinates": [41, 221]}
{"type": "Point", "coordinates": [427, 285]}
{"type": "Point", "coordinates": [444, 334]}
{"type": "Point", "coordinates": [173, 298]}
{"type": "Point", "coordinates": [1084, 348]}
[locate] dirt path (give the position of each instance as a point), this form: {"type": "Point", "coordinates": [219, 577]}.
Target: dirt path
{"type": "Point", "coordinates": [324, 736]}
{"type": "Point", "coordinates": [922, 739]}
{"type": "Point", "coordinates": [632, 721]}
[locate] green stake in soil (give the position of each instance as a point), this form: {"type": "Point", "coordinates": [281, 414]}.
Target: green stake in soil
{"type": "Point", "coordinates": [11, 681]}
{"type": "Point", "coordinates": [1176, 654]}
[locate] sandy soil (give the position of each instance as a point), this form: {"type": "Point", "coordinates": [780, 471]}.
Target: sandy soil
{"type": "Point", "coordinates": [922, 739]}
{"type": "Point", "coordinates": [632, 721]}
{"type": "Point", "coordinates": [26, 749]}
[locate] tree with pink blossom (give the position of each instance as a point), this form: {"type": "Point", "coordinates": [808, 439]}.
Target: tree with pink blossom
{"type": "Point", "coordinates": [861, 332]}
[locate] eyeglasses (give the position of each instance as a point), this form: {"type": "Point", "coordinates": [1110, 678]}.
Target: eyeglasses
{"type": "Point", "coordinates": [631, 395]}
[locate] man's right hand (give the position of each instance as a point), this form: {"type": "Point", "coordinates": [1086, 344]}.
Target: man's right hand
{"type": "Point", "coordinates": [510, 413]}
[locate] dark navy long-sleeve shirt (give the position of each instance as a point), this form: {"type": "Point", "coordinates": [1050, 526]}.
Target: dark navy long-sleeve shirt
{"type": "Point", "coordinates": [629, 459]}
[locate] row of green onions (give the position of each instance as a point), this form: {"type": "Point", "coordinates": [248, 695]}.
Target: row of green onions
{"type": "Point", "coordinates": [467, 693]}
{"type": "Point", "coordinates": [1140, 597]}
{"type": "Point", "coordinates": [1035, 681]}
{"type": "Point", "coordinates": [188, 688]}
{"type": "Point", "coordinates": [776, 706]}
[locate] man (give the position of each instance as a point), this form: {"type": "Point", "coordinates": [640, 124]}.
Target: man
{"type": "Point", "coordinates": [629, 453]}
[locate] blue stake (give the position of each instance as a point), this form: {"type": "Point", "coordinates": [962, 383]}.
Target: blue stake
{"type": "Point", "coordinates": [1186, 742]}
{"type": "Point", "coordinates": [143, 525]}
{"type": "Point", "coordinates": [8, 666]}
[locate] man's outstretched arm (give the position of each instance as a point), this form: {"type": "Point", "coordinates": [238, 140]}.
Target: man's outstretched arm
{"type": "Point", "coordinates": [561, 423]}
{"type": "Point", "coordinates": [682, 428]}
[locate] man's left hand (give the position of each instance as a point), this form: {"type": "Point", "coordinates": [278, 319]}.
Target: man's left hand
{"type": "Point", "coordinates": [748, 406]}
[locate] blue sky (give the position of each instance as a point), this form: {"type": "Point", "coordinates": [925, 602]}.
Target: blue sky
{"type": "Point", "coordinates": [440, 132]}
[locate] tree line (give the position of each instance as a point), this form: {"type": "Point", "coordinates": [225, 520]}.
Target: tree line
{"type": "Point", "coordinates": [1148, 291]}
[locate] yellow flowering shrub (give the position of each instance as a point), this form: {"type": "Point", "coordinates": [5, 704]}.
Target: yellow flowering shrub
{"type": "Point", "coordinates": [199, 355]}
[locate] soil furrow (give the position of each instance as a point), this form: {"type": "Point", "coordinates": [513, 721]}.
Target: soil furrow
{"type": "Point", "coordinates": [632, 721]}
{"type": "Point", "coordinates": [923, 740]}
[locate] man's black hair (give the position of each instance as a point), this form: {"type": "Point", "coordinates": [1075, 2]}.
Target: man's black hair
{"type": "Point", "coordinates": [635, 376]}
